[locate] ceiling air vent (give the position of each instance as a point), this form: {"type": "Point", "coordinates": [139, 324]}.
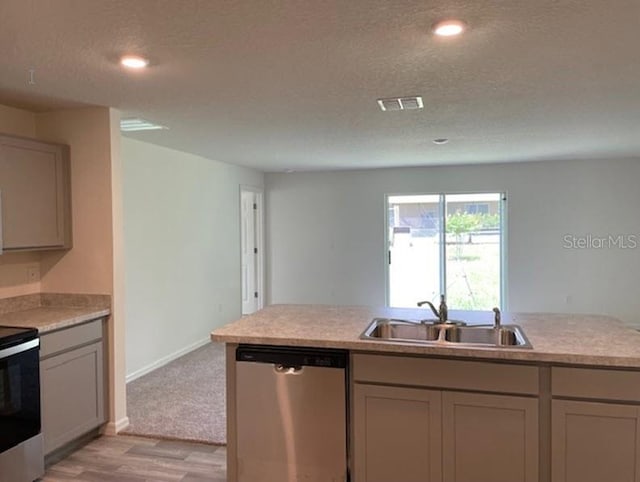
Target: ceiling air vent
{"type": "Point", "coordinates": [137, 124]}
{"type": "Point", "coordinates": [401, 103]}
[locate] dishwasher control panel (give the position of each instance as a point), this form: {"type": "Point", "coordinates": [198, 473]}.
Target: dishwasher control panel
{"type": "Point", "coordinates": [294, 356]}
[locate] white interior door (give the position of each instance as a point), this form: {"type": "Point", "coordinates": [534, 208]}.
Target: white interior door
{"type": "Point", "coordinates": [249, 253]}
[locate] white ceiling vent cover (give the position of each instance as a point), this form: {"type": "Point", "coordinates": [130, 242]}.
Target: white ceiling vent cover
{"type": "Point", "coordinates": [401, 103]}
{"type": "Point", "coordinates": [136, 124]}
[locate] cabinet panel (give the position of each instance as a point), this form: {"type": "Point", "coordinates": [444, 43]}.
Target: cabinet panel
{"type": "Point", "coordinates": [34, 190]}
{"type": "Point", "coordinates": [72, 387]}
{"type": "Point", "coordinates": [442, 373]}
{"type": "Point", "coordinates": [595, 442]}
{"type": "Point", "coordinates": [489, 438]}
{"type": "Point", "coordinates": [397, 434]}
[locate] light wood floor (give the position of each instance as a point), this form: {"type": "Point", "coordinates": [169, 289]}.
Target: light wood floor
{"type": "Point", "coordinates": [135, 459]}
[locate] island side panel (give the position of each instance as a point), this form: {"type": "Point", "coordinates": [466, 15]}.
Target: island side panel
{"type": "Point", "coordinates": [544, 419]}
{"type": "Point", "coordinates": [232, 452]}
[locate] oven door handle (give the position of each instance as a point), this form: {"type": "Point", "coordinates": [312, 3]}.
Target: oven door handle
{"type": "Point", "coordinates": [14, 350]}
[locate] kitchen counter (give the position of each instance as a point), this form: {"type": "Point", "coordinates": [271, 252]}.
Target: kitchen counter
{"type": "Point", "coordinates": [593, 340]}
{"type": "Point", "coordinates": [50, 311]}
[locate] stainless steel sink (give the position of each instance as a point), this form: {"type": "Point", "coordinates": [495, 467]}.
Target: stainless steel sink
{"type": "Point", "coordinates": [505, 335]}
{"type": "Point", "coordinates": [401, 330]}
{"type": "Point", "coordinates": [447, 334]}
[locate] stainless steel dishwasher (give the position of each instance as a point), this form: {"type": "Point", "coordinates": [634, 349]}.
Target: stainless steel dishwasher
{"type": "Point", "coordinates": [291, 414]}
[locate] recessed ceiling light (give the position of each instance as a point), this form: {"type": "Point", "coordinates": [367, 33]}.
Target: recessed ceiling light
{"type": "Point", "coordinates": [449, 28]}
{"type": "Point", "coordinates": [134, 62]}
{"type": "Point", "coordinates": [440, 141]}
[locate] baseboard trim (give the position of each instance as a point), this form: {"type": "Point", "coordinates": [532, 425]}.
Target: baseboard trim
{"type": "Point", "coordinates": [166, 359]}
{"type": "Point", "coordinates": [112, 428]}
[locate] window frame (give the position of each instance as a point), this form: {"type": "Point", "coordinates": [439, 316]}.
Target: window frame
{"type": "Point", "coordinates": [502, 208]}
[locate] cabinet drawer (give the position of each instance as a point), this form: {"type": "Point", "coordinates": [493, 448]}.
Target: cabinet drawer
{"type": "Point", "coordinates": [440, 373]}
{"type": "Point", "coordinates": [595, 383]}
{"type": "Point", "coordinates": [67, 338]}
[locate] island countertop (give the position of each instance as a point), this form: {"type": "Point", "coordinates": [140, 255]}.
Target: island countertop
{"type": "Point", "coordinates": [576, 339]}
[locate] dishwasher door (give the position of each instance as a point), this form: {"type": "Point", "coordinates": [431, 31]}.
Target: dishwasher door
{"type": "Point", "coordinates": [291, 414]}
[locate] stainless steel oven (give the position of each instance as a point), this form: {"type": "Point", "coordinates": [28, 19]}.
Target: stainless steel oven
{"type": "Point", "coordinates": [21, 452]}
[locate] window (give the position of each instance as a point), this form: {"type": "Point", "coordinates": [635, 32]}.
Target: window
{"type": "Point", "coordinates": [446, 243]}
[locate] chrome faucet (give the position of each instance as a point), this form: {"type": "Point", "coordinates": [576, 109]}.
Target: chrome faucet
{"type": "Point", "coordinates": [497, 317]}
{"type": "Point", "coordinates": [442, 314]}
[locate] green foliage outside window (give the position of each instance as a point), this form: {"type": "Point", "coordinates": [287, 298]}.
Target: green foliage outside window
{"type": "Point", "coordinates": [460, 223]}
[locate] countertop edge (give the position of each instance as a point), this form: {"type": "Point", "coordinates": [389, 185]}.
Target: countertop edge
{"type": "Point", "coordinates": [76, 320]}
{"type": "Point", "coordinates": [47, 319]}
{"type": "Point", "coordinates": [494, 354]}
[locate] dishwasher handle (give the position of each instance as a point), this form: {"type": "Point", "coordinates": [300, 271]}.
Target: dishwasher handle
{"type": "Point", "coordinates": [287, 369]}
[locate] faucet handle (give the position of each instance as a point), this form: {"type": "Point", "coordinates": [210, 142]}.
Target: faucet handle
{"type": "Point", "coordinates": [443, 311]}
{"type": "Point", "coordinates": [497, 317]}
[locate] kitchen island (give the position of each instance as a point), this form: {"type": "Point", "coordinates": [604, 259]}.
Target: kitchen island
{"type": "Point", "coordinates": [432, 412]}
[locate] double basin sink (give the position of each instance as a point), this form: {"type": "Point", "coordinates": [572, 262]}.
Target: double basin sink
{"type": "Point", "coordinates": [455, 333]}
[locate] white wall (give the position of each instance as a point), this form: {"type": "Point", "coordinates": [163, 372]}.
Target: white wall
{"type": "Point", "coordinates": [325, 232]}
{"type": "Point", "coordinates": [182, 249]}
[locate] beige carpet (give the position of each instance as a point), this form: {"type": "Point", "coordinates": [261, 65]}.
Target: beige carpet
{"type": "Point", "coordinates": [184, 399]}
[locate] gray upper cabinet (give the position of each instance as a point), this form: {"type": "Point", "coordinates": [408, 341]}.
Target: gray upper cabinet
{"type": "Point", "coordinates": [34, 195]}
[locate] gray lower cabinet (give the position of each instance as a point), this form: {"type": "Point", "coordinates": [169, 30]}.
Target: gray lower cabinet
{"type": "Point", "coordinates": [595, 442]}
{"type": "Point", "coordinates": [72, 383]}
{"type": "Point", "coordinates": [397, 434]}
{"type": "Point", "coordinates": [420, 435]}
{"type": "Point", "coordinates": [423, 419]}
{"type": "Point", "coordinates": [489, 438]}
{"type": "Point", "coordinates": [595, 425]}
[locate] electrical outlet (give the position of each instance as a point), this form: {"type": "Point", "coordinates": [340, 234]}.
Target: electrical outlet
{"type": "Point", "coordinates": [33, 274]}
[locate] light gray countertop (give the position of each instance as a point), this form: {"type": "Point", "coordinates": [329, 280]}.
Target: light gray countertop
{"type": "Point", "coordinates": [48, 312]}
{"type": "Point", "coordinates": [575, 339]}
{"type": "Point", "coordinates": [50, 318]}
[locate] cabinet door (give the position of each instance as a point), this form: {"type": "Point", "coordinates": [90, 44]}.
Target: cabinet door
{"type": "Point", "coordinates": [72, 389]}
{"type": "Point", "coordinates": [34, 194]}
{"type": "Point", "coordinates": [595, 442]}
{"type": "Point", "coordinates": [489, 438]}
{"type": "Point", "coordinates": [397, 434]}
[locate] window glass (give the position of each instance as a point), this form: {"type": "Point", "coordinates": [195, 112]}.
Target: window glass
{"type": "Point", "coordinates": [414, 249]}
{"type": "Point", "coordinates": [446, 243]}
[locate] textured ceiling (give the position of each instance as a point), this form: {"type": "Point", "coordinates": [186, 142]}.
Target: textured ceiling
{"type": "Point", "coordinates": [293, 84]}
